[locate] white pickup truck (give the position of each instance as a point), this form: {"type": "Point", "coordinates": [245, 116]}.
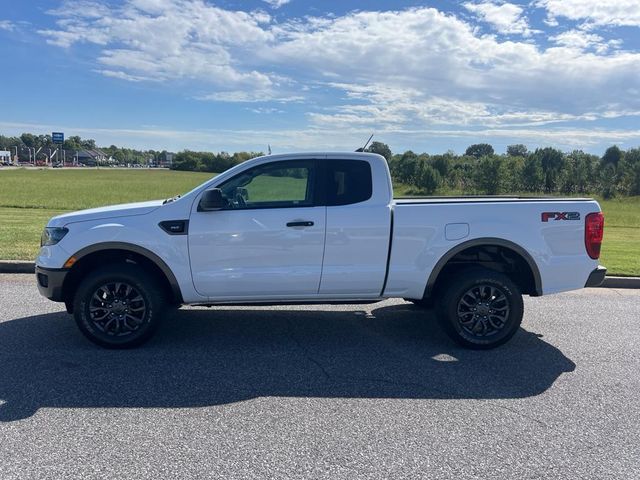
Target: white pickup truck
{"type": "Point", "coordinates": [317, 228]}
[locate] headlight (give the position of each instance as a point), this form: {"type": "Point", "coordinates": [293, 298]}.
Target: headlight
{"type": "Point", "coordinates": [52, 235]}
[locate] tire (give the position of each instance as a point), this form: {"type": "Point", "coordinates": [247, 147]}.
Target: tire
{"type": "Point", "coordinates": [118, 306]}
{"type": "Point", "coordinates": [480, 309]}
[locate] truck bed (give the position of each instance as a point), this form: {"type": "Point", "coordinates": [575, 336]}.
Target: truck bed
{"type": "Point", "coordinates": [484, 199]}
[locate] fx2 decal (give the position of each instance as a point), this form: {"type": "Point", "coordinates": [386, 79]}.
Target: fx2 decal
{"type": "Point", "coordinates": [546, 216]}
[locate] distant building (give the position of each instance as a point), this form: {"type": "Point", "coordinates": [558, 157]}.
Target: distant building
{"type": "Point", "coordinates": [165, 159]}
{"type": "Point", "coordinates": [91, 158]}
{"type": "Point", "coordinates": [5, 156]}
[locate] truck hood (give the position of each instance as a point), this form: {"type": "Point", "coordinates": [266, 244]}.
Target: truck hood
{"type": "Point", "coordinates": [113, 211]}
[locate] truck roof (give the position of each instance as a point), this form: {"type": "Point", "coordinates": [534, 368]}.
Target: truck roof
{"type": "Point", "coordinates": [295, 155]}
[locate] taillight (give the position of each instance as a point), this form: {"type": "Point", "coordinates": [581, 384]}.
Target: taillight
{"type": "Point", "coordinates": [593, 230]}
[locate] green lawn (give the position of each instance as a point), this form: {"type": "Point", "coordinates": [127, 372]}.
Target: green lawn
{"type": "Point", "coordinates": [28, 198]}
{"type": "Point", "coordinates": [621, 245]}
{"type": "Point", "coordinates": [70, 189]}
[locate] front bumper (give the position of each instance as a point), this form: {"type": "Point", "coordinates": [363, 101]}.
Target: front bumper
{"type": "Point", "coordinates": [596, 277]}
{"type": "Point", "coordinates": [50, 282]}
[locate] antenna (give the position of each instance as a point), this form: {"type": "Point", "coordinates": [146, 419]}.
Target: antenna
{"type": "Point", "coordinates": [269, 149]}
{"type": "Point", "coordinates": [361, 149]}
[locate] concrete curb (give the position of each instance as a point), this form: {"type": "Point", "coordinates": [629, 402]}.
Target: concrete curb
{"type": "Point", "coordinates": [621, 282]}
{"type": "Point", "coordinates": [17, 266]}
{"type": "Point", "coordinates": [20, 266]}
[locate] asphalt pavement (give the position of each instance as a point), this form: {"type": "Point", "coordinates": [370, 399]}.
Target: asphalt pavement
{"type": "Point", "coordinates": [362, 391]}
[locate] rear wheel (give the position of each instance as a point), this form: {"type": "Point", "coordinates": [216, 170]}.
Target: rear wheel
{"type": "Point", "coordinates": [118, 306]}
{"type": "Point", "coordinates": [480, 309]}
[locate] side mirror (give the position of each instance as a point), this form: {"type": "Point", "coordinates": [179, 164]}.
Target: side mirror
{"type": "Point", "coordinates": [211, 200]}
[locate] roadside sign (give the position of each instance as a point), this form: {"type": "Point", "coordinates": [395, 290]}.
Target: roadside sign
{"type": "Point", "coordinates": [57, 137]}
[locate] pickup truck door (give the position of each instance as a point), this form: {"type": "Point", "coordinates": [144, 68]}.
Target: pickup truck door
{"type": "Point", "coordinates": [267, 242]}
{"type": "Point", "coordinates": [358, 228]}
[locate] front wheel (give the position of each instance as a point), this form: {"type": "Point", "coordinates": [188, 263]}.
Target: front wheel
{"type": "Point", "coordinates": [480, 308]}
{"type": "Point", "coordinates": [118, 306]}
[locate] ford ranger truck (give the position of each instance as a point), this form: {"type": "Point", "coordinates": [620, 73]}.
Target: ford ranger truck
{"type": "Point", "coordinates": [317, 228]}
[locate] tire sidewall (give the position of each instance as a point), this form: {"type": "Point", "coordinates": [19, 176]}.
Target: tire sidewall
{"type": "Point", "coordinates": [138, 279]}
{"type": "Point", "coordinates": [459, 286]}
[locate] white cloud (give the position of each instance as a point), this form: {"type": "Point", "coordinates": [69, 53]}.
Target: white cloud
{"type": "Point", "coordinates": [7, 25]}
{"type": "Point", "coordinates": [583, 40]}
{"type": "Point", "coordinates": [165, 39]}
{"type": "Point", "coordinates": [276, 3]}
{"type": "Point", "coordinates": [594, 12]}
{"type": "Point", "coordinates": [249, 96]}
{"type": "Point", "coordinates": [442, 57]}
{"type": "Point", "coordinates": [392, 109]}
{"type": "Point", "coordinates": [395, 71]}
{"type": "Point", "coordinates": [505, 18]}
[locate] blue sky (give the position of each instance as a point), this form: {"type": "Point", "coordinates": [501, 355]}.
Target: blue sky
{"type": "Point", "coordinates": [238, 75]}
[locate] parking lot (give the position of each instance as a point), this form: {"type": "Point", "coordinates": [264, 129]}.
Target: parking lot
{"type": "Point", "coordinates": [367, 391]}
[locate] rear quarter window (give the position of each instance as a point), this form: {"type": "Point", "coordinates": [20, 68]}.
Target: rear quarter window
{"type": "Point", "coordinates": [348, 182]}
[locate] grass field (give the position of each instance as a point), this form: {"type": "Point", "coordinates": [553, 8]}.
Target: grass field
{"type": "Point", "coordinates": [28, 198]}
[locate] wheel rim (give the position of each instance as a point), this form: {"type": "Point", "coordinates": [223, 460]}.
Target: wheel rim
{"type": "Point", "coordinates": [483, 311]}
{"type": "Point", "coordinates": [117, 309]}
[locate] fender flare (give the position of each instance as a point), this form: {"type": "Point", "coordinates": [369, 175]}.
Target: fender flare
{"type": "Point", "coordinates": [131, 247]}
{"type": "Point", "coordinates": [485, 241]}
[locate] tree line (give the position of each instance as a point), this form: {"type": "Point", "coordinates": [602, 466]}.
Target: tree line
{"type": "Point", "coordinates": [545, 170]}
{"type": "Point", "coordinates": [479, 171]}
{"type": "Point", "coordinates": [42, 143]}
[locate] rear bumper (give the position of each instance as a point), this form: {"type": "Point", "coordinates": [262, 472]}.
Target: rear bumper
{"type": "Point", "coordinates": [50, 281]}
{"type": "Point", "coordinates": [596, 277]}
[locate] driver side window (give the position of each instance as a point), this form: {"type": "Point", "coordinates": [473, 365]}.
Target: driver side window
{"type": "Point", "coordinates": [273, 185]}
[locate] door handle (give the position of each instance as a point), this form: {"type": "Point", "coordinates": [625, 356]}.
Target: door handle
{"type": "Point", "coordinates": [299, 224]}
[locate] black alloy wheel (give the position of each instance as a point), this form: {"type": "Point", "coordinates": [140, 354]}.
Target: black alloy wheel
{"type": "Point", "coordinates": [483, 310]}
{"type": "Point", "coordinates": [480, 308]}
{"type": "Point", "coordinates": [119, 306]}
{"type": "Point", "coordinates": [117, 309]}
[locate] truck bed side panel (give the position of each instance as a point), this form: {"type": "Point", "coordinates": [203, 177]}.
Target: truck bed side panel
{"type": "Point", "coordinates": [421, 231]}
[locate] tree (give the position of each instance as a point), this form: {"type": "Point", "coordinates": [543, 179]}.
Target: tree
{"type": "Point", "coordinates": [404, 168]}
{"type": "Point", "coordinates": [381, 149]}
{"type": "Point", "coordinates": [532, 177]}
{"type": "Point", "coordinates": [552, 161]}
{"type": "Point", "coordinates": [479, 150]}
{"type": "Point", "coordinates": [6, 143]}
{"type": "Point", "coordinates": [511, 172]}
{"type": "Point", "coordinates": [427, 178]}
{"type": "Point", "coordinates": [607, 180]}
{"type": "Point", "coordinates": [631, 172]}
{"type": "Point", "coordinates": [441, 163]}
{"type": "Point", "coordinates": [578, 172]}
{"type": "Point", "coordinates": [489, 175]}
{"type": "Point", "coordinates": [73, 143]}
{"type": "Point", "coordinates": [186, 160]}
{"type": "Point", "coordinates": [88, 144]}
{"type": "Point", "coordinates": [612, 156]}
{"type": "Point", "coordinates": [460, 176]}
{"type": "Point", "coordinates": [517, 150]}
{"type": "Point", "coordinates": [118, 156]}
{"type": "Point", "coordinates": [28, 139]}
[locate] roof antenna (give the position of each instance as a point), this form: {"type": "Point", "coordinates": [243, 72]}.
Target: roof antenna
{"type": "Point", "coordinates": [361, 149]}
{"type": "Point", "coordinates": [269, 147]}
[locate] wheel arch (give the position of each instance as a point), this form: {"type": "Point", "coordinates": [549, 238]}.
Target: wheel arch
{"type": "Point", "coordinates": [98, 253]}
{"type": "Point", "coordinates": [535, 280]}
